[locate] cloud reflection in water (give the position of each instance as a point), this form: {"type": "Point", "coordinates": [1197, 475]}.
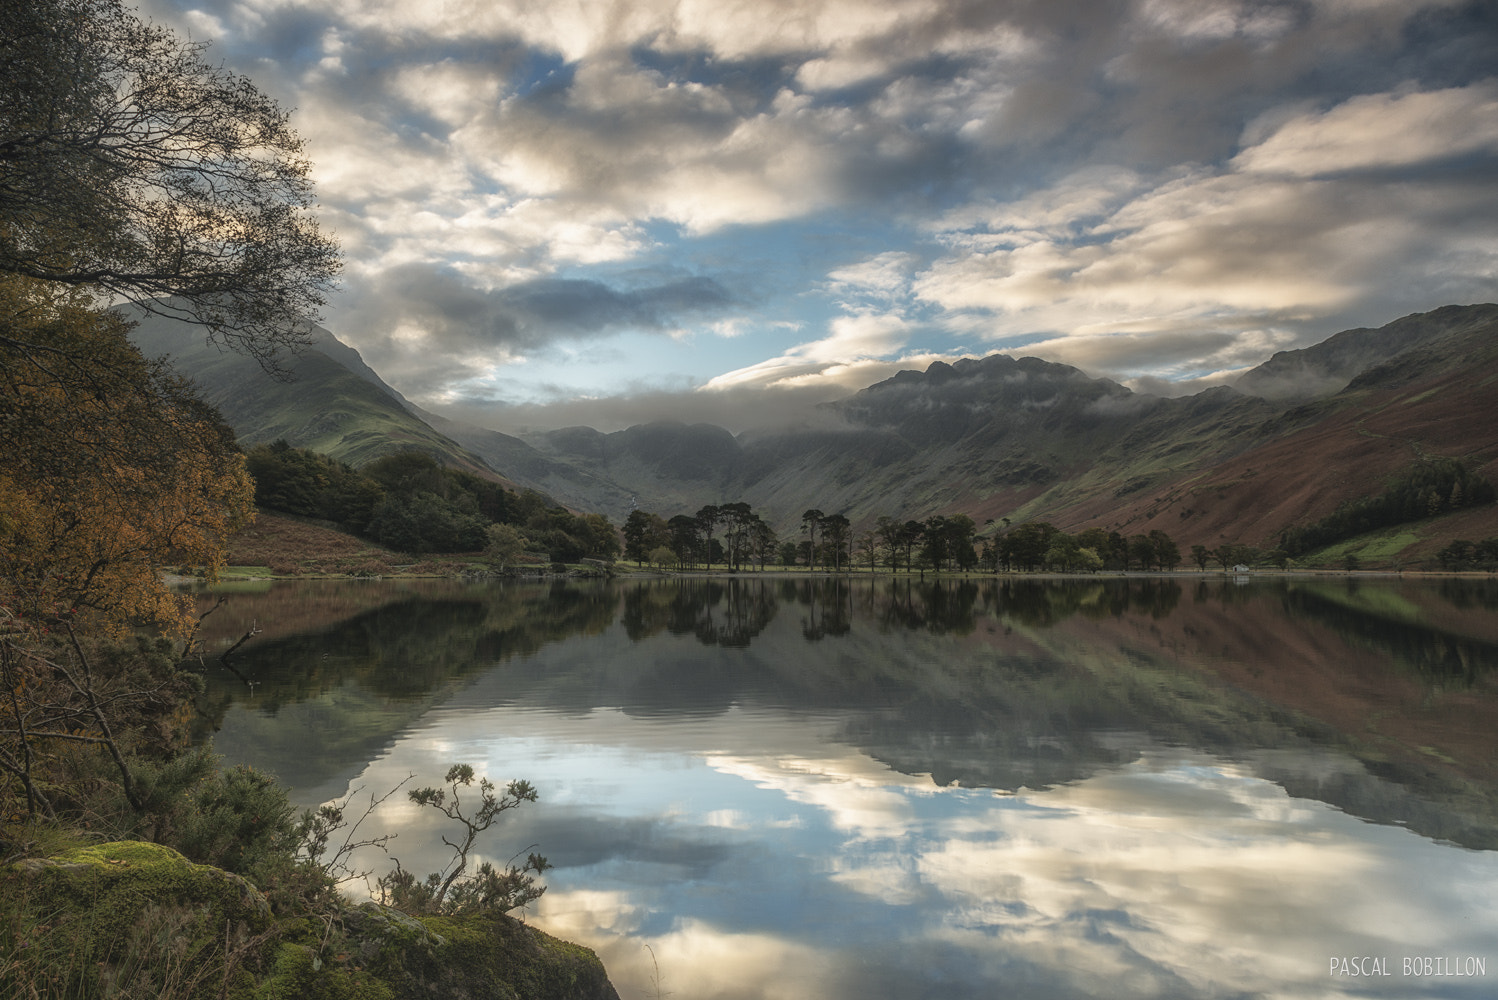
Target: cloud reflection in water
{"type": "Point", "coordinates": [759, 858]}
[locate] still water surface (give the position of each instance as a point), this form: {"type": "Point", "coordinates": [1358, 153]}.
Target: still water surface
{"type": "Point", "coordinates": [1141, 788]}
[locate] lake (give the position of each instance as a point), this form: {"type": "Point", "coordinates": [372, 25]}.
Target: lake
{"type": "Point", "coordinates": [768, 787]}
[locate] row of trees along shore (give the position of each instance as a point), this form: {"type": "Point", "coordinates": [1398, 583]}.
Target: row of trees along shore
{"type": "Point", "coordinates": [407, 501]}
{"type": "Point", "coordinates": [735, 537]}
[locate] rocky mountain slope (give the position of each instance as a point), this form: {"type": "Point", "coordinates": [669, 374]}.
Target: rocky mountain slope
{"type": "Point", "coordinates": [335, 404]}
{"type": "Point", "coordinates": [997, 437]}
{"type": "Point", "coordinates": [1024, 438]}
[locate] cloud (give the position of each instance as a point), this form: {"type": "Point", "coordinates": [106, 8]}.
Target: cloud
{"type": "Point", "coordinates": [439, 328]}
{"type": "Point", "coordinates": [1149, 189]}
{"type": "Point", "coordinates": [744, 408]}
{"type": "Point", "coordinates": [884, 276]}
{"type": "Point", "coordinates": [1211, 269]}
{"type": "Point", "coordinates": [1179, 352]}
{"type": "Point", "coordinates": [851, 339]}
{"type": "Point", "coordinates": [1381, 131]}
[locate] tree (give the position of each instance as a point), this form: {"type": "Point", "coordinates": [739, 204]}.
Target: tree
{"type": "Point", "coordinates": [504, 546]}
{"type": "Point", "coordinates": [1095, 539]}
{"type": "Point", "coordinates": [643, 533]}
{"type": "Point", "coordinates": [1062, 554]}
{"type": "Point", "coordinates": [836, 533]}
{"type": "Point", "coordinates": [113, 467]}
{"type": "Point", "coordinates": [811, 522]}
{"type": "Point", "coordinates": [935, 541]}
{"type": "Point", "coordinates": [300, 481]}
{"type": "Point", "coordinates": [113, 470]}
{"type": "Point", "coordinates": [960, 530]}
{"type": "Point", "coordinates": [707, 519]}
{"type": "Point", "coordinates": [1087, 560]}
{"type": "Point", "coordinates": [888, 530]}
{"type": "Point", "coordinates": [1231, 554]}
{"type": "Point", "coordinates": [685, 537]}
{"type": "Point", "coordinates": [761, 540]}
{"type": "Point", "coordinates": [1027, 545]}
{"type": "Point", "coordinates": [910, 536]}
{"type": "Point", "coordinates": [1167, 554]}
{"type": "Point", "coordinates": [737, 520]}
{"type": "Point", "coordinates": [868, 544]}
{"type": "Point", "coordinates": [451, 892]}
{"type": "Point", "coordinates": [603, 538]}
{"type": "Point", "coordinates": [131, 166]}
{"type": "Point", "coordinates": [1141, 550]}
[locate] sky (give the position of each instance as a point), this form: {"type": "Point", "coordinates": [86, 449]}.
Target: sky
{"type": "Point", "coordinates": [604, 212]}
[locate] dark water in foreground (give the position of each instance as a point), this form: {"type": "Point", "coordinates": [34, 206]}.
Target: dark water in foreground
{"type": "Point", "coordinates": [1145, 788]}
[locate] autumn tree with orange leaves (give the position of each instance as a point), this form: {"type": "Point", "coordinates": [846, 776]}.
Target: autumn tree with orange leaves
{"type": "Point", "coordinates": [132, 169]}
{"type": "Point", "coordinates": [113, 470]}
{"type": "Point", "coordinates": [113, 467]}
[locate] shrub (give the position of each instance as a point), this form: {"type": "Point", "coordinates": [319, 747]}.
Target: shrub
{"type": "Point", "coordinates": [452, 892]}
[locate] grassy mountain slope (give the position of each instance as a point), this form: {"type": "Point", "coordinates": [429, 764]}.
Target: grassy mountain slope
{"type": "Point", "coordinates": [334, 405]}
{"type": "Point", "coordinates": [1439, 399]}
{"type": "Point", "coordinates": [993, 438]}
{"type": "Point", "coordinates": [519, 463]}
{"type": "Point", "coordinates": [1024, 438]}
{"type": "Point", "coordinates": [1326, 368]}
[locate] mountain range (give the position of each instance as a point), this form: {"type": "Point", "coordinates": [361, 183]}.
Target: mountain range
{"type": "Point", "coordinates": [996, 437]}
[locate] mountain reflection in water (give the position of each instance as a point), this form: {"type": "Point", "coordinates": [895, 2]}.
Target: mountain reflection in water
{"type": "Point", "coordinates": [838, 788]}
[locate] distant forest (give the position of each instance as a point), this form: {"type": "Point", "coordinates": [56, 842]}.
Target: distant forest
{"type": "Point", "coordinates": [734, 536]}
{"type": "Point", "coordinates": [409, 502]}
{"type": "Point", "coordinates": [1423, 490]}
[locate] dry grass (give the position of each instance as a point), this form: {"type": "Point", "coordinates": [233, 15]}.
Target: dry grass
{"type": "Point", "coordinates": [290, 546]}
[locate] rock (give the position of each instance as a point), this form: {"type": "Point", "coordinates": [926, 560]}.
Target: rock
{"type": "Point", "coordinates": [140, 919]}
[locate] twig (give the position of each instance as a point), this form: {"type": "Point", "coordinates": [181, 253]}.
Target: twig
{"type": "Point", "coordinates": [254, 631]}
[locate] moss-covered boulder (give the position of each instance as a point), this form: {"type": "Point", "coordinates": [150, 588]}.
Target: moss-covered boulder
{"type": "Point", "coordinates": [135, 920]}
{"type": "Point", "coordinates": [129, 919]}
{"type": "Point", "coordinates": [489, 957]}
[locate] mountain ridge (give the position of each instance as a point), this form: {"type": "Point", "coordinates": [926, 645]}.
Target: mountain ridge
{"type": "Point", "coordinates": [334, 403]}
{"type": "Point", "coordinates": [1023, 438]}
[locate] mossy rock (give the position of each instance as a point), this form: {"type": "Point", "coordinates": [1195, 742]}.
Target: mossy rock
{"type": "Point", "coordinates": [490, 957]}
{"type": "Point", "coordinates": [300, 973]}
{"type": "Point", "coordinates": [135, 920]}
{"type": "Point", "coordinates": [130, 919]}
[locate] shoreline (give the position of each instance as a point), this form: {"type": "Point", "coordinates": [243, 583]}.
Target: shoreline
{"type": "Point", "coordinates": [235, 574]}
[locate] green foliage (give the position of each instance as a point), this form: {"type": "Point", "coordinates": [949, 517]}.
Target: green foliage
{"type": "Point", "coordinates": [409, 502]}
{"type": "Point", "coordinates": [79, 711]}
{"type": "Point", "coordinates": [1466, 555]}
{"type": "Point", "coordinates": [239, 820]}
{"type": "Point", "coordinates": [948, 540]}
{"type": "Point", "coordinates": [453, 892]}
{"type": "Point", "coordinates": [299, 481]}
{"type": "Point", "coordinates": [566, 537]}
{"type": "Point", "coordinates": [126, 920]}
{"type": "Point", "coordinates": [1423, 490]}
{"type": "Point", "coordinates": [1025, 547]}
{"type": "Point", "coordinates": [1164, 553]}
{"type": "Point", "coordinates": [426, 523]}
{"type": "Point", "coordinates": [406, 501]}
{"type": "Point", "coordinates": [135, 168]}
{"type": "Point", "coordinates": [643, 534]}
{"type": "Point", "coordinates": [299, 973]}
{"type": "Point", "coordinates": [503, 546]}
